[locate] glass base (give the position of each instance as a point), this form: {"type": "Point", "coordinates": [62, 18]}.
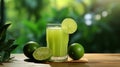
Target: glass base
{"type": "Point", "coordinates": [59, 59]}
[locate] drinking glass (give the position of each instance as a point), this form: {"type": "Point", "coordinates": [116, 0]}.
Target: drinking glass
{"type": "Point", "coordinates": [57, 41]}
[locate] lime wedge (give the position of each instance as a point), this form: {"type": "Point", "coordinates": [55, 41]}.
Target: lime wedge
{"type": "Point", "coordinates": [69, 25]}
{"type": "Point", "coordinates": [42, 54]}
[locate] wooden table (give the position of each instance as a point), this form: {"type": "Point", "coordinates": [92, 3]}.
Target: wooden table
{"type": "Point", "coordinates": [94, 60]}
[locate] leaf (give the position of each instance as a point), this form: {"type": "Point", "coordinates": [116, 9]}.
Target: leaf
{"type": "Point", "coordinates": [4, 56]}
{"type": "Point", "coordinates": [3, 32]}
{"type": "Point", "coordinates": [10, 41]}
{"type": "Point", "coordinates": [6, 46]}
{"type": "Point", "coordinates": [12, 48]}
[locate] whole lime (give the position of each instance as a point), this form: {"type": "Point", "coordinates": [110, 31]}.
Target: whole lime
{"type": "Point", "coordinates": [76, 51]}
{"type": "Point", "coordinates": [29, 48]}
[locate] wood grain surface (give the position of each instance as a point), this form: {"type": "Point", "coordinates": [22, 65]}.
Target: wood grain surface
{"type": "Point", "coordinates": [89, 60]}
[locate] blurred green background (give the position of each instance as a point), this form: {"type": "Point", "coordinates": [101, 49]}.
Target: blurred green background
{"type": "Point", "coordinates": [98, 22]}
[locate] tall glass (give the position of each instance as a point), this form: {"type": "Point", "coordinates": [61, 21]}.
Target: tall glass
{"type": "Point", "coordinates": [57, 41]}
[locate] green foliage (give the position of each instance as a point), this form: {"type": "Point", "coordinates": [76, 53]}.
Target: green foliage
{"type": "Point", "coordinates": [5, 47]}
{"type": "Point", "coordinates": [102, 35]}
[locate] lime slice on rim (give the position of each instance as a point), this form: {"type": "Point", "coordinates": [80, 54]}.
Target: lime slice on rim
{"type": "Point", "coordinates": [69, 25]}
{"type": "Point", "coordinates": [42, 54]}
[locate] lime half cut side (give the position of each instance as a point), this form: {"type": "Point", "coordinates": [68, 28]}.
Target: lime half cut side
{"type": "Point", "coordinates": [42, 54]}
{"type": "Point", "coordinates": [69, 25]}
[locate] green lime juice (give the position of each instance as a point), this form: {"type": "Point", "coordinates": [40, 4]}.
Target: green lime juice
{"type": "Point", "coordinates": [57, 41]}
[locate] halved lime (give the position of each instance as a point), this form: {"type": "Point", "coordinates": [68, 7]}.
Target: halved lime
{"type": "Point", "coordinates": [42, 54]}
{"type": "Point", "coordinates": [69, 25]}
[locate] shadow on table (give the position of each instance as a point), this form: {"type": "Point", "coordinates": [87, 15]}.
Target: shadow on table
{"type": "Point", "coordinates": [34, 61]}
{"type": "Point", "coordinates": [60, 64]}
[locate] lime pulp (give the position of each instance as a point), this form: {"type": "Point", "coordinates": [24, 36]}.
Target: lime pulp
{"type": "Point", "coordinates": [42, 54]}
